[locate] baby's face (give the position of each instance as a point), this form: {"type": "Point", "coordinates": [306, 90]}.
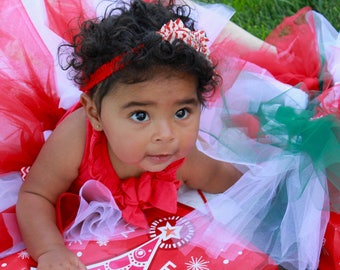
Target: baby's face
{"type": "Point", "coordinates": [151, 124]}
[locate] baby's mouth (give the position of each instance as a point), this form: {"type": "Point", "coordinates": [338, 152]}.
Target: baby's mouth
{"type": "Point", "coordinates": [162, 158]}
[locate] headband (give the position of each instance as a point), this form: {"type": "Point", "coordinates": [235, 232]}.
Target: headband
{"type": "Point", "coordinates": [170, 32]}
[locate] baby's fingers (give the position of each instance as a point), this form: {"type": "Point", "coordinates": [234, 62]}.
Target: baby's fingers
{"type": "Point", "coordinates": [60, 259]}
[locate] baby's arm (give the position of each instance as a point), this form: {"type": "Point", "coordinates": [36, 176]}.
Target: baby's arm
{"type": "Point", "coordinates": [202, 172]}
{"type": "Point", "coordinates": [52, 173]}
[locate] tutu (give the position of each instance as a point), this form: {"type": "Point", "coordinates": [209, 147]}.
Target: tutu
{"type": "Point", "coordinates": [275, 118]}
{"type": "Point", "coordinates": [286, 140]}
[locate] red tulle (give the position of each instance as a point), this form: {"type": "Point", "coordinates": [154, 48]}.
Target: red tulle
{"type": "Point", "coordinates": [298, 60]}
{"type": "Point", "coordinates": [330, 253]}
{"type": "Point", "coordinates": [29, 102]}
{"type": "Point", "coordinates": [65, 17]}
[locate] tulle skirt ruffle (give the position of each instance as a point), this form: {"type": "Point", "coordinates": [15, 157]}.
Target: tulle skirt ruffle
{"type": "Point", "coordinates": [280, 126]}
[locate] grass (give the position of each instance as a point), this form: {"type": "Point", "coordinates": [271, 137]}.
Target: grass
{"type": "Point", "coordinates": [260, 17]}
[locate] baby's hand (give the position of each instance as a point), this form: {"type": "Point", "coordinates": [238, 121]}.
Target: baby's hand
{"type": "Point", "coordinates": [60, 259]}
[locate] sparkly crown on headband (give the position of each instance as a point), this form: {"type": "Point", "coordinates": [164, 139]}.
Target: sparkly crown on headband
{"type": "Point", "coordinates": [170, 32]}
{"type": "Point", "coordinates": [176, 30]}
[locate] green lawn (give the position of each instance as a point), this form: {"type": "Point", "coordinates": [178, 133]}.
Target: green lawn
{"type": "Point", "coordinates": [259, 17]}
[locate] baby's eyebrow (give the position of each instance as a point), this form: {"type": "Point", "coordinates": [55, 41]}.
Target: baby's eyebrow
{"type": "Point", "coordinates": [138, 104]}
{"type": "Point", "coordinates": [188, 101]}
{"type": "Point", "coordinates": [185, 101]}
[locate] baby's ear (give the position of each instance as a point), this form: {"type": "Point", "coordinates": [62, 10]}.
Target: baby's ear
{"type": "Point", "coordinates": [91, 111]}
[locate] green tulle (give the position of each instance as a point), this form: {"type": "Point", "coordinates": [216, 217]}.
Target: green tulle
{"type": "Point", "coordinates": [296, 130]}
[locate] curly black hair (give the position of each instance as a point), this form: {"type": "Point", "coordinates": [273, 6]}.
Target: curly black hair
{"type": "Point", "coordinates": [121, 30]}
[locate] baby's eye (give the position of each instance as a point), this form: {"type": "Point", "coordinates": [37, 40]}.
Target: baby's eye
{"type": "Point", "coordinates": [140, 116]}
{"type": "Point", "coordinates": [182, 113]}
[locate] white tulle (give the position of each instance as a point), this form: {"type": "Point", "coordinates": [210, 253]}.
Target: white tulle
{"type": "Point", "coordinates": [98, 215]}
{"type": "Point", "coordinates": [294, 239]}
{"type": "Point", "coordinates": [9, 188]}
{"type": "Point", "coordinates": [211, 18]}
{"type": "Point", "coordinates": [329, 44]}
{"type": "Point", "coordinates": [294, 234]}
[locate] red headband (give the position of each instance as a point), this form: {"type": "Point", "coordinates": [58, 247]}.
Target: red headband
{"type": "Point", "coordinates": [170, 31]}
{"type": "Point", "coordinates": [103, 72]}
